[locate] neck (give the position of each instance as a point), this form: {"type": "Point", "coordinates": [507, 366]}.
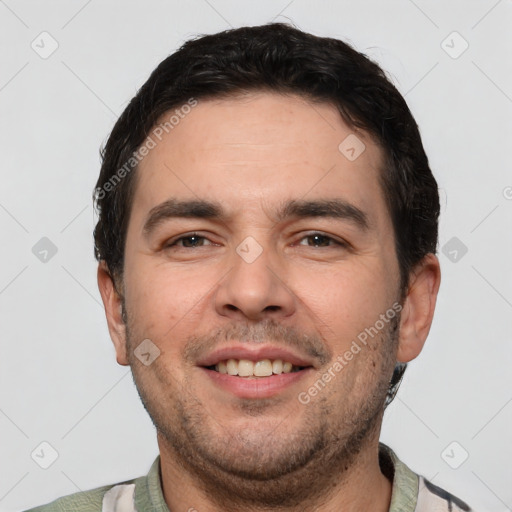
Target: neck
{"type": "Point", "coordinates": [354, 484]}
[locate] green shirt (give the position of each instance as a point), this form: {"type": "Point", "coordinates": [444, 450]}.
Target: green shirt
{"type": "Point", "coordinates": [410, 493]}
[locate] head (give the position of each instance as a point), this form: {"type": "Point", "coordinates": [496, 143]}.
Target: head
{"type": "Point", "coordinates": [298, 151]}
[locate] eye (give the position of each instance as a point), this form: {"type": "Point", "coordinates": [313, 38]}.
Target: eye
{"type": "Point", "coordinates": [189, 241]}
{"type": "Point", "coordinates": [320, 240]}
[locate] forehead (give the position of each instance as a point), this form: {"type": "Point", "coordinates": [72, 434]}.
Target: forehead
{"type": "Point", "coordinates": [256, 150]}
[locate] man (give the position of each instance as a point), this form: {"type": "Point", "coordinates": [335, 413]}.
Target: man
{"type": "Point", "coordinates": [266, 243]}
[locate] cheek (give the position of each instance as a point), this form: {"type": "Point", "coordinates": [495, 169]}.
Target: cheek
{"type": "Point", "coordinates": [347, 299]}
{"type": "Point", "coordinates": [162, 300]}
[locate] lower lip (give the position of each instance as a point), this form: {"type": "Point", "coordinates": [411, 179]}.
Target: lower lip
{"type": "Point", "coordinates": [257, 387]}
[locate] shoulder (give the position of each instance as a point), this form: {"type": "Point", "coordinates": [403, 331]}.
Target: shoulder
{"type": "Point", "coordinates": [412, 492]}
{"type": "Point", "coordinates": [432, 497]}
{"type": "Point", "coordinates": [91, 501]}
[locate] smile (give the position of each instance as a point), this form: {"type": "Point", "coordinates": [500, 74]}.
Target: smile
{"type": "Point", "coordinates": [247, 368]}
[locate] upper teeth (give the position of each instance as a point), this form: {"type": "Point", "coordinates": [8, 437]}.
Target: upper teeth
{"type": "Point", "coordinates": [246, 368]}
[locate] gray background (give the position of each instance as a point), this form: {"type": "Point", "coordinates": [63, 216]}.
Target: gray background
{"type": "Point", "coordinates": [60, 382]}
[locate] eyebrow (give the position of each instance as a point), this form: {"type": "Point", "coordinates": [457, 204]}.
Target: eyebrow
{"type": "Point", "coordinates": [173, 208]}
{"type": "Point", "coordinates": [331, 208]}
{"type": "Point", "coordinates": [203, 209]}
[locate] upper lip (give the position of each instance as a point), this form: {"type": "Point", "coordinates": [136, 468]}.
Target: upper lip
{"type": "Point", "coordinates": [253, 354]}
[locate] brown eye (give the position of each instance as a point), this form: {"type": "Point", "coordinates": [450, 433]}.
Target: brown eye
{"type": "Point", "coordinates": [189, 241]}
{"type": "Point", "coordinates": [192, 241]}
{"type": "Point", "coordinates": [319, 240]}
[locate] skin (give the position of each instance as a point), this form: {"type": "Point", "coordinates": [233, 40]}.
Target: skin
{"type": "Point", "coordinates": [220, 452]}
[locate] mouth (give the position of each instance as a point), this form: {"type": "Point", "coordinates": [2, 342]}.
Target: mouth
{"type": "Point", "coordinates": [256, 380]}
{"type": "Point", "coordinates": [247, 369]}
{"type": "Point", "coordinates": [256, 371]}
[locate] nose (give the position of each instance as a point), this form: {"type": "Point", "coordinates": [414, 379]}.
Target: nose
{"type": "Point", "coordinates": [254, 289]}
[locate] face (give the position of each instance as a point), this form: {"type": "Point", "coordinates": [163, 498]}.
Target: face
{"type": "Point", "coordinates": [252, 236]}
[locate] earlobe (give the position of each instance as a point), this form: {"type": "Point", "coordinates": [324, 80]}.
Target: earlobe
{"type": "Point", "coordinates": [112, 303]}
{"type": "Point", "coordinates": [419, 306]}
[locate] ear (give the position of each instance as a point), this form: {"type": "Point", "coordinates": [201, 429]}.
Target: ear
{"type": "Point", "coordinates": [419, 306]}
{"type": "Point", "coordinates": [113, 311]}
